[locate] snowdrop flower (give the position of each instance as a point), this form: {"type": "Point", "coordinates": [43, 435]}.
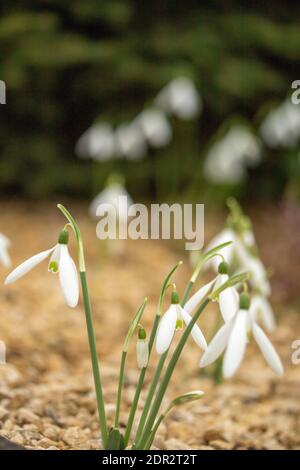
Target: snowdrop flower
{"type": "Point", "coordinates": [226, 235]}
{"type": "Point", "coordinates": [142, 349]}
{"type": "Point", "coordinates": [281, 127]}
{"type": "Point", "coordinates": [181, 98]}
{"type": "Point", "coordinates": [261, 309]}
{"type": "Point", "coordinates": [130, 141]}
{"type": "Point", "coordinates": [60, 262]}
{"type": "Point", "coordinates": [228, 298]}
{"type": "Point", "coordinates": [4, 255]}
{"type": "Point", "coordinates": [97, 142]}
{"type": "Point", "coordinates": [233, 337]}
{"type": "Point", "coordinates": [155, 127]}
{"type": "Point", "coordinates": [259, 277]}
{"type": "Point", "coordinates": [116, 195]}
{"type": "Point", "coordinates": [174, 318]}
{"type": "Point", "coordinates": [228, 159]}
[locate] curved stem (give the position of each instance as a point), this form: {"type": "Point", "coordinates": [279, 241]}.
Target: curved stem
{"type": "Point", "coordinates": [169, 371]}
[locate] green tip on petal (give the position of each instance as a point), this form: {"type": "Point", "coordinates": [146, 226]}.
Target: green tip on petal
{"type": "Point", "coordinates": [179, 324]}
{"type": "Point", "coordinates": [53, 267]}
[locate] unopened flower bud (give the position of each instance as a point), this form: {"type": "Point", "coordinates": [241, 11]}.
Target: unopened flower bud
{"type": "Point", "coordinates": [142, 349]}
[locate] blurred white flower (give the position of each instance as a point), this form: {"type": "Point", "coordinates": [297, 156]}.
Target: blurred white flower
{"type": "Point", "coordinates": [4, 255]}
{"type": "Point", "coordinates": [260, 309]}
{"type": "Point", "coordinates": [228, 159]}
{"type": "Point", "coordinates": [130, 141]}
{"type": "Point", "coordinates": [98, 142]}
{"type": "Point", "coordinates": [155, 127]}
{"type": "Point", "coordinates": [173, 319]}
{"type": "Point", "coordinates": [60, 262]}
{"type": "Point", "coordinates": [233, 336]}
{"type": "Point", "coordinates": [181, 98]}
{"type": "Point", "coordinates": [281, 127]}
{"type": "Point", "coordinates": [112, 195]}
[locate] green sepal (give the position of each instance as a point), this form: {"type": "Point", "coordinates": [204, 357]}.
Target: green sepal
{"type": "Point", "coordinates": [115, 440]}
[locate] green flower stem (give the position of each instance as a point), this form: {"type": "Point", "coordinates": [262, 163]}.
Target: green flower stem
{"type": "Point", "coordinates": [166, 379]}
{"type": "Point", "coordinates": [151, 342]}
{"type": "Point", "coordinates": [121, 380]}
{"type": "Point", "coordinates": [157, 374]}
{"type": "Point", "coordinates": [94, 358]}
{"type": "Point", "coordinates": [139, 385]}
{"type": "Point", "coordinates": [89, 325]}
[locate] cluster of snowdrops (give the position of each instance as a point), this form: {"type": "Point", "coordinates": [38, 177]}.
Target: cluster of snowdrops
{"type": "Point", "coordinates": [240, 289]}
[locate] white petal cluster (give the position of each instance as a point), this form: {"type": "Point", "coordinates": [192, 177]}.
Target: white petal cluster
{"type": "Point", "coordinates": [228, 159]}
{"type": "Point", "coordinates": [155, 127]}
{"type": "Point", "coordinates": [4, 255]}
{"type": "Point", "coordinates": [181, 98]}
{"type": "Point", "coordinates": [97, 142]}
{"type": "Point", "coordinates": [281, 127]}
{"type": "Point", "coordinates": [176, 315]}
{"type": "Point", "coordinates": [115, 195]}
{"type": "Point", "coordinates": [232, 338]}
{"type": "Point", "coordinates": [61, 263]}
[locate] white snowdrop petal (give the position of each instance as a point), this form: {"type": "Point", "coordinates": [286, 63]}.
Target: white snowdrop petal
{"type": "Point", "coordinates": [4, 257]}
{"type": "Point", "coordinates": [229, 303]}
{"type": "Point", "coordinates": [197, 298]}
{"type": "Point", "coordinates": [261, 309]}
{"type": "Point", "coordinates": [196, 331]}
{"type": "Point", "coordinates": [217, 345]}
{"type": "Point", "coordinates": [54, 259]}
{"type": "Point", "coordinates": [267, 349]}
{"type": "Point", "coordinates": [68, 277]}
{"type": "Point", "coordinates": [166, 330]}
{"type": "Point", "coordinates": [27, 265]}
{"type": "Point", "coordinates": [236, 345]}
{"type": "Point", "coordinates": [142, 353]}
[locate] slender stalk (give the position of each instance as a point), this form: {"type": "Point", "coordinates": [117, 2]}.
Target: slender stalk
{"type": "Point", "coordinates": [121, 380]}
{"type": "Point", "coordinates": [89, 325]}
{"type": "Point", "coordinates": [157, 375]}
{"type": "Point", "coordinates": [94, 358]}
{"type": "Point", "coordinates": [151, 341]}
{"type": "Point", "coordinates": [139, 385]}
{"type": "Point", "coordinates": [168, 374]}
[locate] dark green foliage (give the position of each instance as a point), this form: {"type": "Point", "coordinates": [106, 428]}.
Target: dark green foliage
{"type": "Point", "coordinates": [67, 64]}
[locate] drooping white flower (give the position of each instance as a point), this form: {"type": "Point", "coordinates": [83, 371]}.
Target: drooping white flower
{"type": "Point", "coordinates": [142, 349]}
{"type": "Point", "coordinates": [155, 127]}
{"type": "Point", "coordinates": [116, 195]}
{"type": "Point", "coordinates": [4, 255]}
{"type": "Point", "coordinates": [60, 262]}
{"type": "Point", "coordinates": [97, 142]}
{"type": "Point", "coordinates": [181, 98]}
{"type": "Point", "coordinates": [281, 127]}
{"type": "Point", "coordinates": [130, 141]}
{"type": "Point", "coordinates": [173, 319]}
{"type": "Point", "coordinates": [241, 254]}
{"type": "Point", "coordinates": [226, 235]}
{"type": "Point", "coordinates": [260, 309]}
{"type": "Point", "coordinates": [228, 298]}
{"type": "Point", "coordinates": [233, 337]}
{"type": "Point", "coordinates": [228, 159]}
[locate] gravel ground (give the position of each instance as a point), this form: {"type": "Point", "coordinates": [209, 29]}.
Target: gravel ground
{"type": "Point", "coordinates": [46, 392]}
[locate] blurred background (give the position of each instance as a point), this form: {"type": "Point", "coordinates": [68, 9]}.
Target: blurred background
{"type": "Point", "coordinates": [70, 65]}
{"type": "Point", "coordinates": [170, 101]}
